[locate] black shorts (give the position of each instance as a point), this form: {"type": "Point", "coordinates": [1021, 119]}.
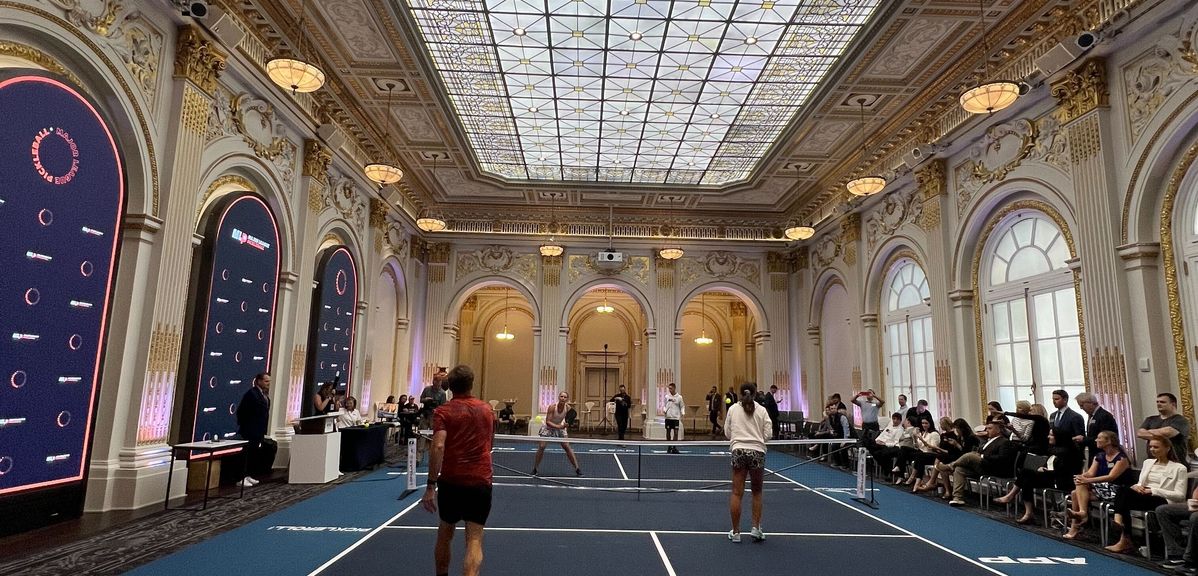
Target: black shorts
{"type": "Point", "coordinates": [671, 424]}
{"type": "Point", "coordinates": [470, 503]}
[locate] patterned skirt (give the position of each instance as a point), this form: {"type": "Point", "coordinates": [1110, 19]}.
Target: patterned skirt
{"type": "Point", "coordinates": [547, 432]}
{"type": "Point", "coordinates": [747, 459]}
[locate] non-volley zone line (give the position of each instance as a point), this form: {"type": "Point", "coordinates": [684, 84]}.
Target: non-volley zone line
{"type": "Point", "coordinates": [678, 532]}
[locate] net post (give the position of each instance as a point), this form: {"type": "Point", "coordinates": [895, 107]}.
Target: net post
{"type": "Point", "coordinates": [411, 466]}
{"type": "Point", "coordinates": [864, 470]}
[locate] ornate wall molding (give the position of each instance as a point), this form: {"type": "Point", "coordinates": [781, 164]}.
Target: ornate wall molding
{"type": "Point", "coordinates": [635, 267]}
{"type": "Point", "coordinates": [719, 264]}
{"type": "Point", "coordinates": [343, 195]}
{"type": "Point", "coordinates": [930, 179]}
{"type": "Point", "coordinates": [825, 251]}
{"type": "Point", "coordinates": [317, 160]}
{"type": "Point", "coordinates": [136, 41]}
{"type": "Point", "coordinates": [1081, 91]}
{"type": "Point", "coordinates": [551, 268]}
{"type": "Point", "coordinates": [1172, 287]}
{"type": "Point", "coordinates": [896, 209]}
{"type": "Point", "coordinates": [1007, 147]}
{"type": "Point", "coordinates": [396, 240]}
{"type": "Point", "coordinates": [850, 233]}
{"type": "Point", "coordinates": [197, 59]}
{"type": "Point", "coordinates": [802, 257]}
{"type": "Point", "coordinates": [1150, 80]}
{"type": "Point", "coordinates": [497, 260]}
{"type": "Point", "coordinates": [665, 272]}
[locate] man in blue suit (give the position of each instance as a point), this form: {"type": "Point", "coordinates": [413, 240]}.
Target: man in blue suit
{"type": "Point", "coordinates": [253, 420]}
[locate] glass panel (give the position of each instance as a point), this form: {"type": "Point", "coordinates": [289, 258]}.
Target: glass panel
{"type": "Point", "coordinates": [1058, 254]}
{"type": "Point", "coordinates": [1001, 322]}
{"type": "Point", "coordinates": [1046, 322]}
{"type": "Point", "coordinates": [892, 332]}
{"type": "Point", "coordinates": [1071, 361]}
{"type": "Point", "coordinates": [1006, 397]}
{"type": "Point", "coordinates": [1050, 373]}
{"type": "Point", "coordinates": [927, 334]}
{"type": "Point", "coordinates": [1046, 233]}
{"type": "Point", "coordinates": [1066, 300]}
{"type": "Point", "coordinates": [1003, 365]}
{"type": "Point", "coordinates": [902, 338]}
{"type": "Point", "coordinates": [909, 297]}
{"type": "Point", "coordinates": [1022, 231]}
{"type": "Point", "coordinates": [1021, 354]}
{"type": "Point", "coordinates": [897, 372]}
{"type": "Point", "coordinates": [998, 272]}
{"type": "Point", "coordinates": [697, 65]}
{"type": "Point", "coordinates": [1028, 262]}
{"type": "Point", "coordinates": [1018, 319]}
{"type": "Point", "coordinates": [1006, 246]}
{"type": "Point", "coordinates": [921, 376]}
{"type": "Point", "coordinates": [892, 305]}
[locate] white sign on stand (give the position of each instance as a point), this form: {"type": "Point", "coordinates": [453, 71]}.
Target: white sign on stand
{"type": "Point", "coordinates": [862, 457]}
{"type": "Point", "coordinates": [411, 463]}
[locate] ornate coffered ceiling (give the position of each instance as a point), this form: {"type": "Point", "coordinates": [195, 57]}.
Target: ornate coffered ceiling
{"type": "Point", "coordinates": [909, 62]}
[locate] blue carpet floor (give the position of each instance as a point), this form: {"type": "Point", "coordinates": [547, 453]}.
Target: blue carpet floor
{"type": "Point", "coordinates": [812, 526]}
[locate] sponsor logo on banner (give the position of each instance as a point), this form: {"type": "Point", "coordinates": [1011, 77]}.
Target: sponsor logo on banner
{"type": "Point", "coordinates": [250, 239]}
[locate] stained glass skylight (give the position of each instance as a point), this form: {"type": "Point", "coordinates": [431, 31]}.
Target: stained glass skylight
{"type": "Point", "coordinates": [631, 91]}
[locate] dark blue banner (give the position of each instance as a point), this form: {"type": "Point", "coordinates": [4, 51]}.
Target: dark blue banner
{"type": "Point", "coordinates": [62, 195]}
{"type": "Point", "coordinates": [331, 335]}
{"type": "Point", "coordinates": [240, 272]}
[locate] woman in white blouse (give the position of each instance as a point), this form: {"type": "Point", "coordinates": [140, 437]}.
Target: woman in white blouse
{"type": "Point", "coordinates": [349, 414]}
{"type": "Point", "coordinates": [1162, 481]}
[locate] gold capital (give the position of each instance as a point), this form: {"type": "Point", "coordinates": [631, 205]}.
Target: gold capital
{"type": "Point", "coordinates": [317, 160]}
{"type": "Point", "coordinates": [197, 59]}
{"type": "Point", "coordinates": [1081, 91]}
{"type": "Point", "coordinates": [930, 179]}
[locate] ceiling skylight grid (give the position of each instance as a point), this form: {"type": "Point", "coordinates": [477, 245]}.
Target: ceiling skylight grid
{"type": "Point", "coordinates": [633, 91]}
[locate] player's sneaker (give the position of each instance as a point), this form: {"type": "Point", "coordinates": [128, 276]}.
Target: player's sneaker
{"type": "Point", "coordinates": [757, 534]}
{"type": "Point", "coordinates": [734, 536]}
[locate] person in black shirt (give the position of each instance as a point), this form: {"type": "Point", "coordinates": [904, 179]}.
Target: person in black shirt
{"type": "Point", "coordinates": [770, 403]}
{"type": "Point", "coordinates": [253, 420]}
{"type": "Point", "coordinates": [623, 403]}
{"type": "Point", "coordinates": [715, 403]}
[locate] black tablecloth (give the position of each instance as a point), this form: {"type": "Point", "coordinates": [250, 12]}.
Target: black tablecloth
{"type": "Point", "coordinates": [362, 447]}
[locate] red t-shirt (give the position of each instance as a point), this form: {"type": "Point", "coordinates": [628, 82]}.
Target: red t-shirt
{"type": "Point", "coordinates": [468, 423]}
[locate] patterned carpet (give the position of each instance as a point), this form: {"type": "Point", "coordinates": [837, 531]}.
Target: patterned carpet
{"type": "Point", "coordinates": [125, 547]}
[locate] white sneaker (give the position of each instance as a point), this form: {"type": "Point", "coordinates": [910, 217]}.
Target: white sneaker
{"type": "Point", "coordinates": [757, 534]}
{"type": "Point", "coordinates": [734, 536]}
{"type": "Point", "coordinates": [252, 481]}
{"type": "Point", "coordinates": [246, 483]}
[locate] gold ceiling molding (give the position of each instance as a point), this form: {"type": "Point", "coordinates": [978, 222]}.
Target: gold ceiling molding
{"type": "Point", "coordinates": [1172, 287]}
{"type": "Point", "coordinates": [198, 60]}
{"type": "Point", "coordinates": [976, 295]}
{"type": "Point", "coordinates": [1081, 91]}
{"type": "Point", "coordinates": [39, 58]}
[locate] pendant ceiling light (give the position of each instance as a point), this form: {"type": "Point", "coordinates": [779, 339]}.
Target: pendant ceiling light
{"type": "Point", "coordinates": [296, 74]}
{"type": "Point", "coordinates": [671, 252]}
{"type": "Point", "coordinates": [703, 340]}
{"type": "Point", "coordinates": [428, 221]}
{"type": "Point", "coordinates": [796, 231]}
{"type": "Point", "coordinates": [604, 308]}
{"type": "Point", "coordinates": [866, 185]}
{"type": "Point", "coordinates": [384, 173]}
{"type": "Point", "coordinates": [552, 248]}
{"type": "Point", "coordinates": [505, 335]}
{"type": "Point", "coordinates": [989, 96]}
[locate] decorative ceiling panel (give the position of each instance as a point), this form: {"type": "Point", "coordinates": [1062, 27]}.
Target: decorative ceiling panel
{"type": "Point", "coordinates": [688, 92]}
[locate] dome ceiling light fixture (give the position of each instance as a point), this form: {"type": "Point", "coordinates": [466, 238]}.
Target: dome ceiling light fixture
{"type": "Point", "coordinates": [865, 185]}
{"type": "Point", "coordinates": [296, 74]}
{"type": "Point", "coordinates": [384, 173]}
{"type": "Point", "coordinates": [506, 335]}
{"type": "Point", "coordinates": [428, 221]}
{"type": "Point", "coordinates": [552, 248]}
{"type": "Point", "coordinates": [796, 231]}
{"type": "Point", "coordinates": [702, 339]}
{"type": "Point", "coordinates": [991, 96]}
{"type": "Point", "coordinates": [671, 252]}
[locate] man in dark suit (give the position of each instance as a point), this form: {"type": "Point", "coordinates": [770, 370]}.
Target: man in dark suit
{"type": "Point", "coordinates": [623, 403]}
{"type": "Point", "coordinates": [1065, 419]}
{"type": "Point", "coordinates": [770, 403]}
{"type": "Point", "coordinates": [996, 457]}
{"type": "Point", "coordinates": [1098, 419]}
{"type": "Point", "coordinates": [253, 420]}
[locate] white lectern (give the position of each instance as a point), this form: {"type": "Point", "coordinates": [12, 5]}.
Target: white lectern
{"type": "Point", "coordinates": [315, 451]}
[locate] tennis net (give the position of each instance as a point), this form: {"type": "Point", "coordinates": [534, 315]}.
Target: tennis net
{"type": "Point", "coordinates": [654, 466]}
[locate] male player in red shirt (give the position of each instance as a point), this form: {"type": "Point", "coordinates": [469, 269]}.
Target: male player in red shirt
{"type": "Point", "coordinates": [459, 470]}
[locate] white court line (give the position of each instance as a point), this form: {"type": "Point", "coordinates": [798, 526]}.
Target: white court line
{"type": "Point", "coordinates": [644, 480]}
{"type": "Point", "coordinates": [896, 527]}
{"type": "Point", "coordinates": [361, 540]}
{"type": "Point", "coordinates": [672, 532]}
{"type": "Point", "coordinates": [622, 472]}
{"type": "Point", "coordinates": [662, 552]}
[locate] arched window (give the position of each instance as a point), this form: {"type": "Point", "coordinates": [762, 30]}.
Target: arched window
{"type": "Point", "coordinates": [907, 344]}
{"type": "Point", "coordinates": [1031, 328]}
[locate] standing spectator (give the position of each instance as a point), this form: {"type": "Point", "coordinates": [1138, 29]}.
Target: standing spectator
{"type": "Point", "coordinates": [1065, 418]}
{"type": "Point", "coordinates": [1162, 481]}
{"type": "Point", "coordinates": [433, 395]}
{"type": "Point", "coordinates": [460, 462]}
{"type": "Point", "coordinates": [746, 427]}
{"type": "Point", "coordinates": [673, 409]}
{"type": "Point", "coordinates": [1167, 425]}
{"type": "Point", "coordinates": [903, 408]}
{"type": "Point", "coordinates": [1097, 420]}
{"type": "Point", "coordinates": [715, 403]}
{"type": "Point", "coordinates": [869, 404]}
{"type": "Point", "coordinates": [623, 402]}
{"type": "Point", "coordinates": [253, 419]}
{"type": "Point", "coordinates": [771, 409]}
{"type": "Point", "coordinates": [921, 410]}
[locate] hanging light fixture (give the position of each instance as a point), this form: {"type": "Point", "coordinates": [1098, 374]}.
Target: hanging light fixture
{"type": "Point", "coordinates": [296, 74]}
{"type": "Point", "coordinates": [703, 340]}
{"type": "Point", "coordinates": [671, 252]}
{"type": "Point", "coordinates": [992, 96]}
{"type": "Point", "coordinates": [384, 173]}
{"type": "Point", "coordinates": [428, 221]}
{"type": "Point", "coordinates": [796, 231]}
{"type": "Point", "coordinates": [505, 335]}
{"type": "Point", "coordinates": [604, 308]}
{"type": "Point", "coordinates": [866, 185]}
{"type": "Point", "coordinates": [552, 248]}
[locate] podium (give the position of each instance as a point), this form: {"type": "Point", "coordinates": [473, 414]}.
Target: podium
{"type": "Point", "coordinates": [315, 451]}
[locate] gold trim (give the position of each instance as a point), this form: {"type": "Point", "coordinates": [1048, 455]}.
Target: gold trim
{"type": "Point", "coordinates": [152, 167]}
{"type": "Point", "coordinates": [1081, 91]}
{"type": "Point", "coordinates": [1047, 210]}
{"type": "Point", "coordinates": [225, 180]}
{"type": "Point", "coordinates": [198, 60]}
{"type": "Point", "coordinates": [1148, 151]}
{"type": "Point", "coordinates": [35, 56]}
{"type": "Point", "coordinates": [1172, 290]}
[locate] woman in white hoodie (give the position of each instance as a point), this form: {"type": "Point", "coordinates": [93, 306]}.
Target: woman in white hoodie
{"type": "Point", "coordinates": [748, 427]}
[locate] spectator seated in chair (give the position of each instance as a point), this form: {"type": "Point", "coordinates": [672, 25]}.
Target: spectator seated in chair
{"type": "Point", "coordinates": [1109, 471]}
{"type": "Point", "coordinates": [1162, 481]}
{"type": "Point", "coordinates": [880, 447]}
{"type": "Point", "coordinates": [572, 418]}
{"type": "Point", "coordinates": [1053, 470]}
{"type": "Point", "coordinates": [925, 440]}
{"type": "Point", "coordinates": [996, 457]}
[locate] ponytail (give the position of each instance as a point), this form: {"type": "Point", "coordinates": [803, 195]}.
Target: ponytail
{"type": "Point", "coordinates": [748, 397]}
